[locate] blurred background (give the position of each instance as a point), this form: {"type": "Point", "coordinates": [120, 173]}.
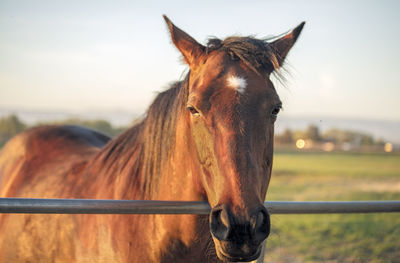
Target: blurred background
{"type": "Point", "coordinates": [100, 64]}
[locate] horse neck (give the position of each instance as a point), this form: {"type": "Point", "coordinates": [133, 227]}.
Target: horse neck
{"type": "Point", "coordinates": [116, 173]}
{"type": "Point", "coordinates": [179, 178]}
{"type": "Point", "coordinates": [153, 161]}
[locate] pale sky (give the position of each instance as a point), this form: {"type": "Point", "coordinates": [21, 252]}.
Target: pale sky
{"type": "Point", "coordinates": [115, 55]}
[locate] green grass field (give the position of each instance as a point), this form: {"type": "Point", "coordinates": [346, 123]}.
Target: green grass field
{"type": "Point", "coordinates": [336, 237]}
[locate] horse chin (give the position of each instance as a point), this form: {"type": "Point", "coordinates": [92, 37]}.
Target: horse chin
{"type": "Point", "coordinates": [234, 256]}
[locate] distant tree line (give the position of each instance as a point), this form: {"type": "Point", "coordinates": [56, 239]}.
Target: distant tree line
{"type": "Point", "coordinates": [9, 126]}
{"type": "Point", "coordinates": [336, 136]}
{"type": "Point", "coordinates": [12, 125]}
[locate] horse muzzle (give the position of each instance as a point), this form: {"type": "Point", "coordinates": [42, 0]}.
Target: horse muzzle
{"type": "Point", "coordinates": [238, 237]}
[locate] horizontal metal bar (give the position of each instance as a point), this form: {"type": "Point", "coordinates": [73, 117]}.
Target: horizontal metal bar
{"type": "Point", "coordinates": [96, 206]}
{"type": "Point", "coordinates": [332, 207]}
{"type": "Point", "coordinates": [93, 206]}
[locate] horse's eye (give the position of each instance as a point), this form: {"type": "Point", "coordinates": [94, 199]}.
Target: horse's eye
{"type": "Point", "coordinates": [275, 111]}
{"type": "Point", "coordinates": [192, 110]}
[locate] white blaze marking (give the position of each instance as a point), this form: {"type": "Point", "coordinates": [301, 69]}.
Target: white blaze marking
{"type": "Point", "coordinates": [237, 83]}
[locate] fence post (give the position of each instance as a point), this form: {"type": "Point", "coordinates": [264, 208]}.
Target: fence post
{"type": "Point", "coordinates": [261, 257]}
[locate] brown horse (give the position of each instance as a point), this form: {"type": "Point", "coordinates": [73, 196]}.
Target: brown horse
{"type": "Point", "coordinates": [206, 138]}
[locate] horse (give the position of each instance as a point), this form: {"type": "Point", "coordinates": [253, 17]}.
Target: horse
{"type": "Point", "coordinates": [208, 137]}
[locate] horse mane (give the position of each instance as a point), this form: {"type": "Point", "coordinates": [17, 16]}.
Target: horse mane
{"type": "Point", "coordinates": [255, 53]}
{"type": "Point", "coordinates": [137, 156]}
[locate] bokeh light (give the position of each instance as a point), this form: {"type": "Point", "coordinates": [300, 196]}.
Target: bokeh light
{"type": "Point", "coordinates": [388, 147]}
{"type": "Point", "coordinates": [328, 146]}
{"type": "Point", "coordinates": [300, 143]}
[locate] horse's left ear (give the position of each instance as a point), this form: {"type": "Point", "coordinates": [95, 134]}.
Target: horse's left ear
{"type": "Point", "coordinates": [282, 46]}
{"type": "Point", "coordinates": [191, 50]}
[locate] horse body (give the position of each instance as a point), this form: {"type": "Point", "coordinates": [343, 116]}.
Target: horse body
{"type": "Point", "coordinates": [207, 138]}
{"type": "Point", "coordinates": [45, 162]}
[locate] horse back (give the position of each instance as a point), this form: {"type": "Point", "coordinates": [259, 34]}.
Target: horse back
{"type": "Point", "coordinates": [47, 160]}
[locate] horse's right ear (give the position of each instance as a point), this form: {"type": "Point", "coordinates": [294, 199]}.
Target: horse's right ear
{"type": "Point", "coordinates": [191, 50]}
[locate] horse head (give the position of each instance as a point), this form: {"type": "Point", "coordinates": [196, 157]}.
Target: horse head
{"type": "Point", "coordinates": [231, 107]}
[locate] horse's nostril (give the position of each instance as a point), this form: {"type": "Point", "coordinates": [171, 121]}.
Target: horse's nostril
{"type": "Point", "coordinates": [260, 219]}
{"type": "Point", "coordinates": [261, 223]}
{"type": "Point", "coordinates": [219, 223]}
{"type": "Point", "coordinates": [224, 217]}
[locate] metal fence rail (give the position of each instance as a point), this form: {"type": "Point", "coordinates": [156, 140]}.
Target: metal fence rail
{"type": "Point", "coordinates": [94, 206]}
